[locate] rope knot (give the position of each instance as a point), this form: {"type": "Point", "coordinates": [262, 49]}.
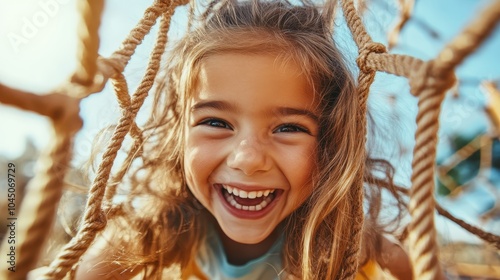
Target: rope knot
{"type": "Point", "coordinates": [100, 222]}
{"type": "Point", "coordinates": [365, 51]}
{"type": "Point", "coordinates": [429, 75]}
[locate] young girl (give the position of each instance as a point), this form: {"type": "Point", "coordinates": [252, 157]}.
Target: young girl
{"type": "Point", "coordinates": [252, 129]}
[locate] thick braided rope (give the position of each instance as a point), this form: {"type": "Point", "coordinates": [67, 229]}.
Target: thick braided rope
{"type": "Point", "coordinates": [94, 219]}
{"type": "Point", "coordinates": [400, 65]}
{"type": "Point", "coordinates": [425, 258]}
{"type": "Point", "coordinates": [116, 63]}
{"type": "Point", "coordinates": [44, 191]}
{"type": "Point", "coordinates": [446, 57]}
{"type": "Point", "coordinates": [429, 82]}
{"type": "Point", "coordinates": [470, 38]}
{"type": "Point", "coordinates": [40, 205]}
{"type": "Point", "coordinates": [123, 55]}
{"type": "Point", "coordinates": [355, 24]}
{"type": "Point", "coordinates": [365, 79]}
{"type": "Point", "coordinates": [422, 235]}
{"type": "Point", "coordinates": [351, 256]}
{"type": "Point", "coordinates": [90, 12]}
{"type": "Point", "coordinates": [46, 188]}
{"type": "Point", "coordinates": [134, 152]}
{"type": "Point", "coordinates": [122, 94]}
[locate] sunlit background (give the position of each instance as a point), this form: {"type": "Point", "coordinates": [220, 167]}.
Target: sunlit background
{"type": "Point", "coordinates": [38, 53]}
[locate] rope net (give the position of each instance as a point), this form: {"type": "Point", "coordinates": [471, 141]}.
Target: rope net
{"type": "Point", "coordinates": [428, 80]}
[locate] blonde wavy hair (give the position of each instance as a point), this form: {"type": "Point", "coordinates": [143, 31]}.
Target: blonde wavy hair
{"type": "Point", "coordinates": [172, 224]}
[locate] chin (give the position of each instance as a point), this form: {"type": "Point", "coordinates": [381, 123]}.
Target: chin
{"type": "Point", "coordinates": [247, 235]}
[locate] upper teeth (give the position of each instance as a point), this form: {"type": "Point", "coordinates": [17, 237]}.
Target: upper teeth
{"type": "Point", "coordinates": [245, 194]}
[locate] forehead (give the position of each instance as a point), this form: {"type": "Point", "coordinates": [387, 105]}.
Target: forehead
{"type": "Point", "coordinates": [254, 78]}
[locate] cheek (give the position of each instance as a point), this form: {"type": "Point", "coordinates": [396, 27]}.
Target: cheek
{"type": "Point", "coordinates": [200, 160]}
{"type": "Point", "coordinates": [190, 167]}
{"type": "Point", "coordinates": [304, 175]}
{"type": "Point", "coordinates": [195, 161]}
{"type": "Point", "coordinates": [196, 175]}
{"type": "Point", "coordinates": [304, 159]}
{"type": "Point", "coordinates": [300, 166]}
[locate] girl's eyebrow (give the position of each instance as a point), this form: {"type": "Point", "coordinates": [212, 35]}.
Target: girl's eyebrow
{"type": "Point", "coordinates": [225, 106]}
{"type": "Point", "coordinates": [287, 111]}
{"type": "Point", "coordinates": [219, 105]}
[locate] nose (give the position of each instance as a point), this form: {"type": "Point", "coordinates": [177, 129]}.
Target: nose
{"type": "Point", "coordinates": [249, 156]}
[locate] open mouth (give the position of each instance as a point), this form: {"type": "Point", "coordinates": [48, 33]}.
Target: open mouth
{"type": "Point", "coordinates": [248, 203]}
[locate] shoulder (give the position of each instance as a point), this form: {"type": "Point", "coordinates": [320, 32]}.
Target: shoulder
{"type": "Point", "coordinates": [394, 259]}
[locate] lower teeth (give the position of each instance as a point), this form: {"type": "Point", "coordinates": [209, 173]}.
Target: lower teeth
{"type": "Point", "coordinates": [258, 207]}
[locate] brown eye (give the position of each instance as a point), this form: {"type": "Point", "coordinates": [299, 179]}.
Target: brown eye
{"type": "Point", "coordinates": [215, 123]}
{"type": "Point", "coordinates": [291, 128]}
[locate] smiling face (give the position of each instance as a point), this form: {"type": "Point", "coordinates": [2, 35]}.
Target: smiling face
{"type": "Point", "coordinates": [251, 140]}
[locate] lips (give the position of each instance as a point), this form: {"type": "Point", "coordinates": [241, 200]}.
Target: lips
{"type": "Point", "coordinates": [248, 204]}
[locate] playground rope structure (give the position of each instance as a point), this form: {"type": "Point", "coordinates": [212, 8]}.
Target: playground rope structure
{"type": "Point", "coordinates": [429, 81]}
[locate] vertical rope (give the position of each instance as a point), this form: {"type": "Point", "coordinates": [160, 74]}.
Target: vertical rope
{"type": "Point", "coordinates": [352, 253]}
{"type": "Point", "coordinates": [94, 219]}
{"type": "Point", "coordinates": [429, 82]}
{"type": "Point", "coordinates": [90, 11]}
{"type": "Point", "coordinates": [422, 233]}
{"type": "Point", "coordinates": [127, 49]}
{"type": "Point", "coordinates": [365, 79]}
{"type": "Point", "coordinates": [122, 94]}
{"type": "Point", "coordinates": [355, 24]}
{"type": "Point", "coordinates": [43, 192]}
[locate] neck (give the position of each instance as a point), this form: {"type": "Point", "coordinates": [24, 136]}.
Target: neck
{"type": "Point", "coordinates": [240, 253]}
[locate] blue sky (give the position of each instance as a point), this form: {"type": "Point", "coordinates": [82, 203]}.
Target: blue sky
{"type": "Point", "coordinates": [38, 52]}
